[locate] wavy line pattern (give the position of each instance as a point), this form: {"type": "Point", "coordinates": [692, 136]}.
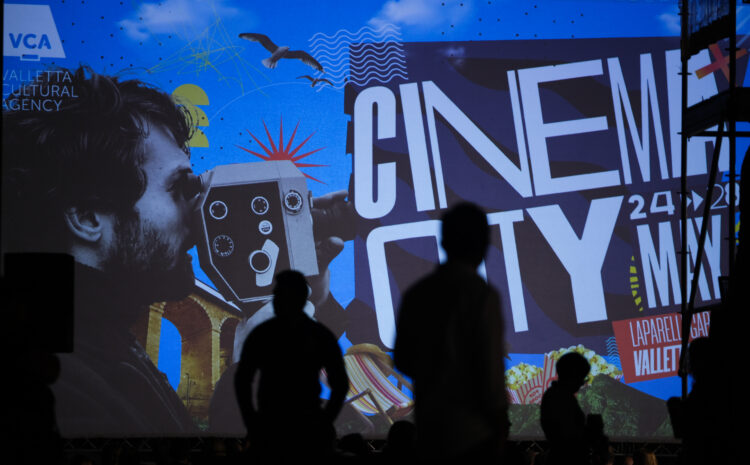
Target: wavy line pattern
{"type": "Point", "coordinates": [358, 67]}
{"type": "Point", "coordinates": [361, 57]}
{"type": "Point", "coordinates": [332, 49]}
{"type": "Point", "coordinates": [613, 356]}
{"type": "Point", "coordinates": [363, 51]}
{"type": "Point", "coordinates": [390, 28]}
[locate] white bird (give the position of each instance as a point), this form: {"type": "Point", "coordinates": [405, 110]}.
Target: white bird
{"type": "Point", "coordinates": [278, 53]}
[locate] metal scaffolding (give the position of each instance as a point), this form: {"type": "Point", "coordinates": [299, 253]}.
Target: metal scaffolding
{"type": "Point", "coordinates": [704, 23]}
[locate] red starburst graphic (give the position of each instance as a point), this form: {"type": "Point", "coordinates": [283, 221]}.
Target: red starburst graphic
{"type": "Point", "coordinates": [284, 152]}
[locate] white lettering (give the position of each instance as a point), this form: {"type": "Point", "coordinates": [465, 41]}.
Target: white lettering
{"type": "Point", "coordinates": [583, 258]}
{"type": "Point", "coordinates": [538, 131]}
{"type": "Point", "coordinates": [621, 100]}
{"type": "Point", "coordinates": [437, 101]}
{"type": "Point", "coordinates": [364, 194]}
{"type": "Point", "coordinates": [659, 267]}
{"type": "Point", "coordinates": [415, 139]}
{"type": "Point", "coordinates": [512, 269]}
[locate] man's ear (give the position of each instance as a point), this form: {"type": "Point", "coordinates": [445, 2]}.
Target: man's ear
{"type": "Point", "coordinates": [85, 224]}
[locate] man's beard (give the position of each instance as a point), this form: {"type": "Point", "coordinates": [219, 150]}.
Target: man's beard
{"type": "Point", "coordinates": [149, 267]}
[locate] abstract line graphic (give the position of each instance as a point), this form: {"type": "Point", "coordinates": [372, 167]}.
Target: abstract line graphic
{"type": "Point", "coordinates": [613, 356]}
{"type": "Point", "coordinates": [367, 55]}
{"type": "Point", "coordinates": [212, 49]}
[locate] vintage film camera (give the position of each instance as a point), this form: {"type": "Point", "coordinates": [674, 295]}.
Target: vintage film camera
{"type": "Point", "coordinates": [256, 221]}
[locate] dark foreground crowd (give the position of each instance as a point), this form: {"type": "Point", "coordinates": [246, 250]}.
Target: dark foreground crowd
{"type": "Point", "coordinates": [352, 449]}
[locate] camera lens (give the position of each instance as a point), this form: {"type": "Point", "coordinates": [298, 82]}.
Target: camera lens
{"type": "Point", "coordinates": [223, 245]}
{"type": "Point", "coordinates": [260, 261]}
{"type": "Point", "coordinates": [218, 210]}
{"type": "Point", "coordinates": [293, 201]}
{"type": "Point", "coordinates": [259, 205]}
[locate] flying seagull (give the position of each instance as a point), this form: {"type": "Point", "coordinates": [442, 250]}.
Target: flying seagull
{"type": "Point", "coordinates": [314, 81]}
{"type": "Point", "coordinates": [278, 53]}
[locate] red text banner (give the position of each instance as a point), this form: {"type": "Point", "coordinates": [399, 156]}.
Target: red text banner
{"type": "Point", "coordinates": [650, 347]}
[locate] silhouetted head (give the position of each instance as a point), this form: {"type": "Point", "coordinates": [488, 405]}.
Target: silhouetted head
{"type": "Point", "coordinates": [290, 293]}
{"type": "Point", "coordinates": [354, 444]}
{"type": "Point", "coordinates": [401, 437]}
{"type": "Point", "coordinates": [466, 234]}
{"type": "Point", "coordinates": [572, 369]}
{"type": "Point", "coordinates": [700, 357]}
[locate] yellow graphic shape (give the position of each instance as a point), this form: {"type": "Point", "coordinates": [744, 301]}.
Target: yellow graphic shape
{"type": "Point", "coordinates": [191, 96]}
{"type": "Point", "coordinates": [737, 232]}
{"type": "Point", "coordinates": [635, 284]}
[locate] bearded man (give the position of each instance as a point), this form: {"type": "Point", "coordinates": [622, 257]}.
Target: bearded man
{"type": "Point", "coordinates": [106, 178]}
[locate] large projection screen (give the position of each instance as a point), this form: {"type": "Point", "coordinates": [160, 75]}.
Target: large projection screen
{"type": "Point", "coordinates": [560, 119]}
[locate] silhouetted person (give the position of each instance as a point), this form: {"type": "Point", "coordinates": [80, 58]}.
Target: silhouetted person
{"type": "Point", "coordinates": [624, 460]}
{"type": "Point", "coordinates": [450, 341]}
{"type": "Point", "coordinates": [702, 418]}
{"type": "Point", "coordinates": [597, 440]}
{"type": "Point", "coordinates": [354, 448]}
{"type": "Point", "coordinates": [741, 269]}
{"type": "Point", "coordinates": [563, 421]}
{"type": "Point", "coordinates": [288, 353]}
{"type": "Point", "coordinates": [28, 420]}
{"type": "Point", "coordinates": [645, 457]}
{"type": "Point", "coordinates": [400, 443]}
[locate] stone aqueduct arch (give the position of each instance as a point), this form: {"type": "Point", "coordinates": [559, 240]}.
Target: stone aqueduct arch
{"type": "Point", "coordinates": [206, 324]}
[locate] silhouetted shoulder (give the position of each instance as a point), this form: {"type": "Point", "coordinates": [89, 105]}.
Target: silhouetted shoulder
{"type": "Point", "coordinates": [323, 329]}
{"type": "Point", "coordinates": [327, 339]}
{"type": "Point", "coordinates": [258, 333]}
{"type": "Point", "coordinates": [449, 279]}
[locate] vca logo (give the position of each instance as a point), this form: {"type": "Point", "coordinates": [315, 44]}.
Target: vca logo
{"type": "Point", "coordinates": [29, 32]}
{"type": "Point", "coordinates": [30, 41]}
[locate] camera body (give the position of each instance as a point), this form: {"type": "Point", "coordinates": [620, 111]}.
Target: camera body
{"type": "Point", "coordinates": [256, 221]}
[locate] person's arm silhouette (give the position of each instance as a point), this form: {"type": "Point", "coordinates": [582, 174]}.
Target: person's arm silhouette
{"type": "Point", "coordinates": [404, 351]}
{"type": "Point", "coordinates": [243, 381]}
{"type": "Point", "coordinates": [497, 405]}
{"type": "Point", "coordinates": [337, 380]}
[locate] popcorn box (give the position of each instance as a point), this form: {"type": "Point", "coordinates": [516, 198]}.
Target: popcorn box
{"type": "Point", "coordinates": [512, 395]}
{"type": "Point", "coordinates": [549, 371]}
{"type": "Point", "coordinates": [531, 391]}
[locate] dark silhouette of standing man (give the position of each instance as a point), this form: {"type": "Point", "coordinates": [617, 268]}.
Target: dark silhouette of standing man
{"type": "Point", "coordinates": [450, 341]}
{"type": "Point", "coordinates": [702, 420]}
{"type": "Point", "coordinates": [563, 421]}
{"type": "Point", "coordinates": [288, 353]}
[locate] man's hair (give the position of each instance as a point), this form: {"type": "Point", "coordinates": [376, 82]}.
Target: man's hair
{"type": "Point", "coordinates": [87, 153]}
{"type": "Point", "coordinates": [573, 365]}
{"type": "Point", "coordinates": [466, 234]}
{"type": "Point", "coordinates": [290, 293]}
